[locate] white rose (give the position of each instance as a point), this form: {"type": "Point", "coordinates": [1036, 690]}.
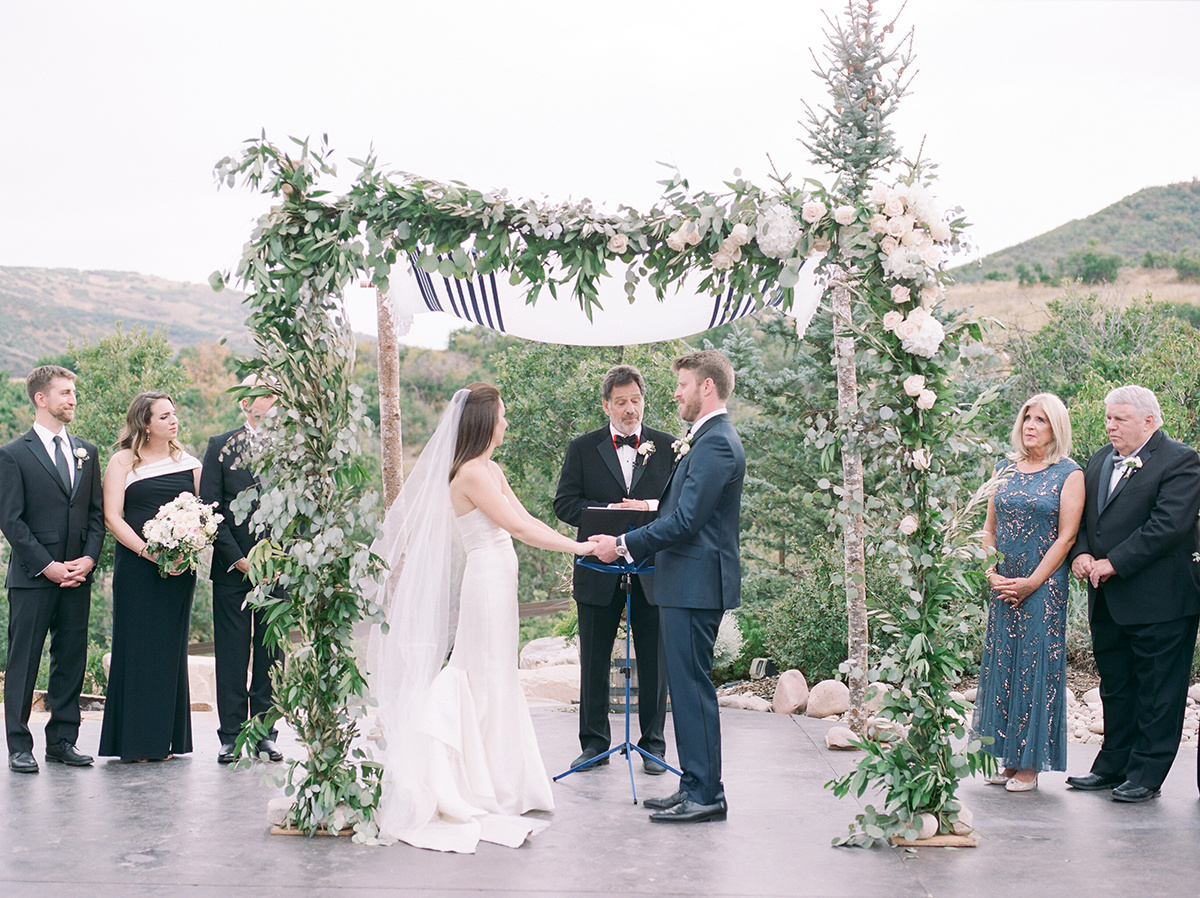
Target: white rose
{"type": "Point", "coordinates": [812, 211]}
{"type": "Point", "coordinates": [939, 230]}
{"type": "Point", "coordinates": [740, 234]}
{"type": "Point", "coordinates": [908, 330]}
{"type": "Point", "coordinates": [908, 525]}
{"type": "Point", "coordinates": [922, 459]}
{"type": "Point", "coordinates": [914, 384]}
{"type": "Point", "coordinates": [676, 241]}
{"type": "Point", "coordinates": [919, 316]}
{"type": "Point", "coordinates": [722, 260]}
{"type": "Point", "coordinates": [618, 243]}
{"type": "Point", "coordinates": [878, 194]}
{"type": "Point", "coordinates": [931, 293]}
{"type": "Point", "coordinates": [888, 245]}
{"type": "Point", "coordinates": [931, 256]}
{"type": "Point", "coordinates": [899, 226]}
{"type": "Point", "coordinates": [878, 224]}
{"type": "Point", "coordinates": [900, 294]}
{"type": "Point", "coordinates": [692, 236]}
{"type": "Point", "coordinates": [926, 399]}
{"type": "Point", "coordinates": [891, 319]}
{"type": "Point", "coordinates": [893, 205]}
{"type": "Point", "coordinates": [845, 215]}
{"type": "Point", "coordinates": [818, 247]}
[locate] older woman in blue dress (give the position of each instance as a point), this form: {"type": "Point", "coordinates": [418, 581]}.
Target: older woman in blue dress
{"type": "Point", "coordinates": [1032, 521]}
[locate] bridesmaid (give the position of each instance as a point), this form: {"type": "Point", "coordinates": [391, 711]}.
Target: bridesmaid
{"type": "Point", "coordinates": [147, 713]}
{"type": "Point", "coordinates": [1032, 520]}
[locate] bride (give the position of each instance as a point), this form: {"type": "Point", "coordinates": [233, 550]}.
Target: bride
{"type": "Point", "coordinates": [461, 762]}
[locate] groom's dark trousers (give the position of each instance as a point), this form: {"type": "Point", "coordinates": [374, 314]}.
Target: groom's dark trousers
{"type": "Point", "coordinates": [44, 521]}
{"type": "Point", "coordinates": [697, 577]}
{"type": "Point", "coordinates": [1143, 618]}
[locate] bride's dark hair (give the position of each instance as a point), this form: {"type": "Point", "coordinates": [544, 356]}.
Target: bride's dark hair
{"type": "Point", "coordinates": [480, 413]}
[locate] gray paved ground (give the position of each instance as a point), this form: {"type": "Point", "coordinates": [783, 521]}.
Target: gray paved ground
{"type": "Point", "coordinates": [189, 827]}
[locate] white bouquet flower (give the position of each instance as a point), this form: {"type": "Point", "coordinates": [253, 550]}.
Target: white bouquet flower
{"type": "Point", "coordinates": [182, 529]}
{"type": "Point", "coordinates": [778, 232]}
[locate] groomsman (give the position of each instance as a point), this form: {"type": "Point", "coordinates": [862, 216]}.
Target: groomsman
{"type": "Point", "coordinates": [52, 517]}
{"type": "Point", "coordinates": [698, 571]}
{"type": "Point", "coordinates": [621, 465]}
{"type": "Point", "coordinates": [237, 629]}
{"type": "Point", "coordinates": [1135, 549]}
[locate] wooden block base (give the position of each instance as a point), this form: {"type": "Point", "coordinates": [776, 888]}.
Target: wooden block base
{"type": "Point", "coordinates": [292, 831]}
{"type": "Point", "coordinates": [949, 840]}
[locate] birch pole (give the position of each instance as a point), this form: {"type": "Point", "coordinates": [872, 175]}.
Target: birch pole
{"type": "Point", "coordinates": [390, 431]}
{"type": "Point", "coordinates": [852, 483]}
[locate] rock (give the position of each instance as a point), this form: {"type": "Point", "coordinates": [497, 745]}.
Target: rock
{"type": "Point", "coordinates": [1092, 697]}
{"type": "Point", "coordinates": [553, 684]}
{"type": "Point", "coordinates": [971, 694]}
{"type": "Point", "coordinates": [1071, 700]}
{"type": "Point", "coordinates": [202, 679]}
{"type": "Point", "coordinates": [874, 697]}
{"type": "Point", "coordinates": [928, 826]}
{"type": "Point", "coordinates": [827, 698]}
{"type": "Point", "coordinates": [957, 696]}
{"type": "Point", "coordinates": [744, 701]}
{"type": "Point", "coordinates": [277, 811]}
{"type": "Point", "coordinates": [791, 694]}
{"type": "Point", "coordinates": [965, 822]}
{"type": "Point", "coordinates": [883, 730]}
{"type": "Point", "coordinates": [202, 706]}
{"type": "Point", "coordinates": [838, 739]}
{"type": "Point", "coordinates": [1097, 725]}
{"type": "Point", "coordinates": [550, 651]}
{"type": "Point", "coordinates": [1194, 692]}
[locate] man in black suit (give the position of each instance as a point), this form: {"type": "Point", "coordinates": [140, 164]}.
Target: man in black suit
{"type": "Point", "coordinates": [1135, 549]}
{"type": "Point", "coordinates": [52, 516]}
{"type": "Point", "coordinates": [237, 629]}
{"type": "Point", "coordinates": [698, 576]}
{"type": "Point", "coordinates": [621, 465]}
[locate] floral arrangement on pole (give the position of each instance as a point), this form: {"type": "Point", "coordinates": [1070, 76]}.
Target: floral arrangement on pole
{"type": "Point", "coordinates": [179, 532]}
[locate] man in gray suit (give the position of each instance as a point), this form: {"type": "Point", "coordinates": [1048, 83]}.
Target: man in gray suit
{"type": "Point", "coordinates": [697, 574]}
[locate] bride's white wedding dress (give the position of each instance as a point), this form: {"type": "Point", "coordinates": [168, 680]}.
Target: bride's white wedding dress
{"type": "Point", "coordinates": [467, 764]}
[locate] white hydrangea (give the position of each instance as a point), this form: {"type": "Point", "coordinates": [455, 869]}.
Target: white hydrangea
{"type": "Point", "coordinates": [920, 333]}
{"type": "Point", "coordinates": [778, 232]}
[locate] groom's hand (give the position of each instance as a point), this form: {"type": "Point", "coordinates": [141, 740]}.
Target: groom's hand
{"type": "Point", "coordinates": [606, 548]}
{"type": "Point", "coordinates": [635, 504]}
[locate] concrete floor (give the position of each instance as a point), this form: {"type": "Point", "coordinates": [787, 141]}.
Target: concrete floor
{"type": "Point", "coordinates": [189, 827]}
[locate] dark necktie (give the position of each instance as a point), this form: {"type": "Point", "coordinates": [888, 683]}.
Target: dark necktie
{"type": "Point", "coordinates": [60, 461]}
{"type": "Point", "coordinates": [619, 441]}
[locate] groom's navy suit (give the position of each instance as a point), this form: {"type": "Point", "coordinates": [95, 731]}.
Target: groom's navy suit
{"type": "Point", "coordinates": [697, 577]}
{"type": "Point", "coordinates": [1143, 618]}
{"type": "Point", "coordinates": [44, 521]}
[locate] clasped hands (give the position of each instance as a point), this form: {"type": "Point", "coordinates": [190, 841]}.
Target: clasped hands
{"type": "Point", "coordinates": [1012, 590]}
{"type": "Point", "coordinates": [69, 574]}
{"type": "Point", "coordinates": [1093, 570]}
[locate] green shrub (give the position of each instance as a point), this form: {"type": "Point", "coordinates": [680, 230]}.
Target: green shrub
{"type": "Point", "coordinates": [996, 276]}
{"type": "Point", "coordinates": [803, 621]}
{"type": "Point", "coordinates": [1186, 267]}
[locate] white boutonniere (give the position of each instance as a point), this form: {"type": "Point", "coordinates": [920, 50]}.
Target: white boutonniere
{"type": "Point", "coordinates": [645, 450]}
{"type": "Point", "coordinates": [1131, 464]}
{"type": "Point", "coordinates": [682, 446]}
{"type": "Point", "coordinates": [81, 455]}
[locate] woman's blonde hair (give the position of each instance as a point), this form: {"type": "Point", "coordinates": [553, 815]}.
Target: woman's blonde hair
{"type": "Point", "coordinates": [137, 427]}
{"type": "Point", "coordinates": [1060, 428]}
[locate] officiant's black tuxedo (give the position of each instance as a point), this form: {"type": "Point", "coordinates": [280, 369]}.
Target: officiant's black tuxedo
{"type": "Point", "coordinates": [591, 476]}
{"type": "Point", "coordinates": [44, 522]}
{"type": "Point", "coordinates": [697, 572]}
{"type": "Point", "coordinates": [237, 630]}
{"type": "Point", "coordinates": [1143, 618]}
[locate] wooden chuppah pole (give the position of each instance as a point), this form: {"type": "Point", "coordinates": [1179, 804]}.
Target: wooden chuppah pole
{"type": "Point", "coordinates": [390, 430]}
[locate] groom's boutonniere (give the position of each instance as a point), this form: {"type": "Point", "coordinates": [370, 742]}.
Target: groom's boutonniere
{"type": "Point", "coordinates": [682, 445]}
{"type": "Point", "coordinates": [80, 457]}
{"type": "Point", "coordinates": [645, 450]}
{"type": "Point", "coordinates": [1131, 464]}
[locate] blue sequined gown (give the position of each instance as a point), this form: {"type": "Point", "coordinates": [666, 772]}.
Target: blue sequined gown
{"type": "Point", "coordinates": [1022, 698]}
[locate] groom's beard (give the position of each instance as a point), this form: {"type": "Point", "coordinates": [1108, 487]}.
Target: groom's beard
{"type": "Point", "coordinates": [689, 409]}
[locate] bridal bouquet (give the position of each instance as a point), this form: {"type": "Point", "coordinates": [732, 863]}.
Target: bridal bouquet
{"type": "Point", "coordinates": [182, 529]}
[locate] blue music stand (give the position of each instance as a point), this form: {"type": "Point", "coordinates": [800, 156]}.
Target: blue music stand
{"type": "Point", "coordinates": [627, 572]}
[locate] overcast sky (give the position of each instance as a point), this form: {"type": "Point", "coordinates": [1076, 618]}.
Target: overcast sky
{"type": "Point", "coordinates": [112, 114]}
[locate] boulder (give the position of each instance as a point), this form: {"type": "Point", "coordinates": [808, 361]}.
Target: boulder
{"type": "Point", "coordinates": [874, 696]}
{"type": "Point", "coordinates": [277, 811]}
{"type": "Point", "coordinates": [827, 698]}
{"type": "Point", "coordinates": [971, 694]}
{"type": "Point", "coordinates": [928, 826]}
{"type": "Point", "coordinates": [202, 680]}
{"type": "Point", "coordinates": [965, 822]}
{"type": "Point", "coordinates": [1071, 700]}
{"type": "Point", "coordinates": [791, 694]}
{"type": "Point", "coordinates": [744, 701]}
{"type": "Point", "coordinates": [548, 652]}
{"type": "Point", "coordinates": [838, 739]}
{"type": "Point", "coordinates": [552, 684]}
{"type": "Point", "coordinates": [1092, 697]}
{"type": "Point", "coordinates": [1097, 724]}
{"type": "Point", "coordinates": [1194, 692]}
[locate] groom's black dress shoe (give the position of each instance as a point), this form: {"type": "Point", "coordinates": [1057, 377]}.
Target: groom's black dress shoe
{"type": "Point", "coordinates": [270, 749]}
{"type": "Point", "coordinates": [588, 754]}
{"type": "Point", "coordinates": [1128, 792]}
{"type": "Point", "coordinates": [653, 766]}
{"type": "Point", "coordinates": [22, 762]}
{"type": "Point", "coordinates": [688, 811]}
{"type": "Point", "coordinates": [66, 753]}
{"type": "Point", "coordinates": [661, 804]}
{"type": "Point", "coordinates": [1093, 782]}
{"type": "Point", "coordinates": [228, 753]}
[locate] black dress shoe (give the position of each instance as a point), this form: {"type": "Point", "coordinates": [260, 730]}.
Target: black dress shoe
{"type": "Point", "coordinates": [661, 804]}
{"type": "Point", "coordinates": [228, 753]}
{"type": "Point", "coordinates": [66, 753]}
{"type": "Point", "coordinates": [653, 766]}
{"type": "Point", "coordinates": [270, 749]}
{"type": "Point", "coordinates": [1093, 782]}
{"type": "Point", "coordinates": [22, 762]}
{"type": "Point", "coordinates": [588, 755]}
{"type": "Point", "coordinates": [1133, 794]}
{"type": "Point", "coordinates": [688, 811]}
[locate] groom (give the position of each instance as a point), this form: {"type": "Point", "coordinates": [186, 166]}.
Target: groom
{"type": "Point", "coordinates": [51, 514]}
{"type": "Point", "coordinates": [697, 576]}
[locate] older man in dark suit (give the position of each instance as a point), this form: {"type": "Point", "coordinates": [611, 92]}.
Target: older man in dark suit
{"type": "Point", "coordinates": [1136, 550]}
{"type": "Point", "coordinates": [237, 629]}
{"type": "Point", "coordinates": [52, 517]}
{"type": "Point", "coordinates": [698, 576]}
{"type": "Point", "coordinates": [622, 465]}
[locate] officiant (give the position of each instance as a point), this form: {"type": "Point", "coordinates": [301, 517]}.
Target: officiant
{"type": "Point", "coordinates": [622, 465]}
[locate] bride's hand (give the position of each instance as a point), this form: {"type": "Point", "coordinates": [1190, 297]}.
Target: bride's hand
{"type": "Point", "coordinates": [588, 548]}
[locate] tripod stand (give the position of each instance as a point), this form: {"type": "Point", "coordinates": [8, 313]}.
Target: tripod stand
{"type": "Point", "coordinates": [627, 572]}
